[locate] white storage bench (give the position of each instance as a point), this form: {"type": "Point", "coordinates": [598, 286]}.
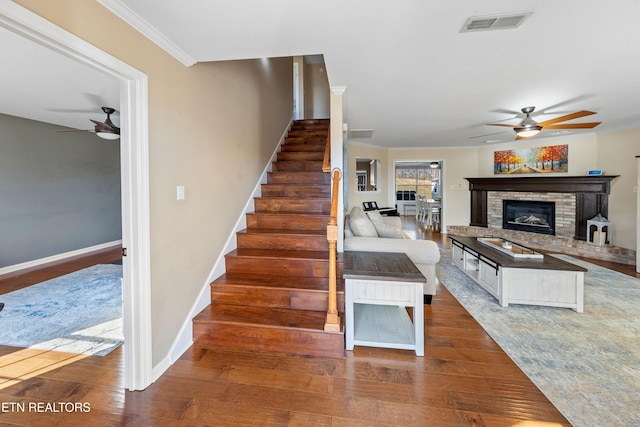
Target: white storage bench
{"type": "Point", "coordinates": [547, 281]}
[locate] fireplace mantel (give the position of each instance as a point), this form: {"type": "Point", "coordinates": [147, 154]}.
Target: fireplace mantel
{"type": "Point", "coordinates": [592, 193]}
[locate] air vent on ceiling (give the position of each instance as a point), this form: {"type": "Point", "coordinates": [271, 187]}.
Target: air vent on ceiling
{"type": "Point", "coordinates": [494, 22]}
{"type": "Point", "coordinates": [361, 133]}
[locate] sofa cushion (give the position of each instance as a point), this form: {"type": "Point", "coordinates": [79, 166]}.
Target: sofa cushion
{"type": "Point", "coordinates": [360, 224]}
{"type": "Point", "coordinates": [382, 228]}
{"type": "Point", "coordinates": [347, 227]}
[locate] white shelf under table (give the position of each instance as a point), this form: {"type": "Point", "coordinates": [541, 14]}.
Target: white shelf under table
{"type": "Point", "coordinates": [378, 288]}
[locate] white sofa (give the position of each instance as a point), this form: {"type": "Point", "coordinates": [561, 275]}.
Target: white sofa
{"type": "Point", "coordinates": [372, 232]}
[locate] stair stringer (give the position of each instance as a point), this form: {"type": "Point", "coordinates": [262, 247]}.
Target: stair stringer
{"type": "Point", "coordinates": [184, 339]}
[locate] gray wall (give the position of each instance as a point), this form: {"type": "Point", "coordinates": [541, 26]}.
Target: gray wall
{"type": "Point", "coordinates": [58, 191]}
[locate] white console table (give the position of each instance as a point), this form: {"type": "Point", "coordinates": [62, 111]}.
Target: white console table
{"type": "Point", "coordinates": [549, 281]}
{"type": "Point", "coordinates": [378, 288]}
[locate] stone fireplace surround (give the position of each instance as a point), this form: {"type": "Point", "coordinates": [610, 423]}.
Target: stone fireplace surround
{"type": "Point", "coordinates": [577, 199]}
{"type": "Point", "coordinates": [565, 216]}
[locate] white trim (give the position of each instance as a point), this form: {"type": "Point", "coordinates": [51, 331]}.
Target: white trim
{"type": "Point", "coordinates": [135, 178]}
{"type": "Point", "coordinates": [125, 13]}
{"type": "Point", "coordinates": [185, 337]}
{"type": "Point", "coordinates": [59, 257]}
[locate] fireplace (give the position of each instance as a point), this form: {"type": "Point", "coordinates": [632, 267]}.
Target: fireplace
{"type": "Point", "coordinates": [529, 215]}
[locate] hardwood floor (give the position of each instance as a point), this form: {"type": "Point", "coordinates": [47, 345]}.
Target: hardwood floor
{"type": "Point", "coordinates": [465, 379]}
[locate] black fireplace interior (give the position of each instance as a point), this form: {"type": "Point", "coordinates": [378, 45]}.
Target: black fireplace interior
{"type": "Point", "coordinates": [529, 215]}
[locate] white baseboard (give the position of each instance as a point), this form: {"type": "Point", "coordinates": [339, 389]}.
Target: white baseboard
{"type": "Point", "coordinates": [59, 257]}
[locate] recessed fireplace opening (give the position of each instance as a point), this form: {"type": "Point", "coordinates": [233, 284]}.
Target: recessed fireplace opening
{"type": "Point", "coordinates": [529, 215]}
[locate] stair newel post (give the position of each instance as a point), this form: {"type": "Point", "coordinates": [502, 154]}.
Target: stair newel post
{"type": "Point", "coordinates": [333, 319]}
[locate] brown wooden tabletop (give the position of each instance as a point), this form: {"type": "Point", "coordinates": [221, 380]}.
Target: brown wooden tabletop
{"type": "Point", "coordinates": [380, 265]}
{"type": "Point", "coordinates": [506, 261]}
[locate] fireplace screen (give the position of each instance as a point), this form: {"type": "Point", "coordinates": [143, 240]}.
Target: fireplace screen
{"type": "Point", "coordinates": [529, 215]}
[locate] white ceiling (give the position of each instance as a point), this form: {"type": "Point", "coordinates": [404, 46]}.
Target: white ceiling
{"type": "Point", "coordinates": [411, 76]}
{"type": "Point", "coordinates": [39, 84]}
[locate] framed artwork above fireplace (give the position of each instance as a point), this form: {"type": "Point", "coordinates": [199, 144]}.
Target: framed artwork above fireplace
{"type": "Point", "coordinates": [547, 159]}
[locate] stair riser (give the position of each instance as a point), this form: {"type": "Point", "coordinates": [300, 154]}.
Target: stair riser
{"type": "Point", "coordinates": [297, 299]}
{"type": "Point", "coordinates": [282, 242]}
{"type": "Point", "coordinates": [285, 204]}
{"type": "Point", "coordinates": [301, 155]}
{"type": "Point", "coordinates": [298, 147]}
{"type": "Point", "coordinates": [297, 165]}
{"type": "Point", "coordinates": [256, 337]}
{"type": "Point", "coordinates": [287, 222]}
{"type": "Point", "coordinates": [278, 267]}
{"type": "Point", "coordinates": [307, 133]}
{"type": "Point", "coordinates": [310, 126]}
{"type": "Point", "coordinates": [314, 140]}
{"type": "Point", "coordinates": [292, 190]}
{"type": "Point", "coordinates": [298, 177]}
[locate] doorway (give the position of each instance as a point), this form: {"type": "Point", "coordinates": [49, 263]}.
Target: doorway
{"type": "Point", "coordinates": [134, 178]}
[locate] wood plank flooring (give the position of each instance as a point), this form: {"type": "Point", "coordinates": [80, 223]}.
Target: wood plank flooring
{"type": "Point", "coordinates": [465, 379]}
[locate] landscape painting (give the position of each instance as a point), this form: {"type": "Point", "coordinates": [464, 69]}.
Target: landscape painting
{"type": "Point", "coordinates": [552, 158]}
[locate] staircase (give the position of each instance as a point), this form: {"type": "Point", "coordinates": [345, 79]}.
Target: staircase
{"type": "Point", "coordinates": [274, 294]}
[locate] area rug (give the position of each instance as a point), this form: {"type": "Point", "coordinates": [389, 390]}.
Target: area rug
{"type": "Point", "coordinates": [80, 312]}
{"type": "Point", "coordinates": [587, 364]}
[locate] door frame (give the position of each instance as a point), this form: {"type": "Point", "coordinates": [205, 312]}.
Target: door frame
{"type": "Point", "coordinates": [134, 160]}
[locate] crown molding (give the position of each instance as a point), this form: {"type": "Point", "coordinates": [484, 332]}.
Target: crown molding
{"type": "Point", "coordinates": [124, 12]}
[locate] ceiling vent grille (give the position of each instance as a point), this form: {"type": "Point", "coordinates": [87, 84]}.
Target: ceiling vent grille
{"type": "Point", "coordinates": [361, 133]}
{"type": "Point", "coordinates": [495, 22]}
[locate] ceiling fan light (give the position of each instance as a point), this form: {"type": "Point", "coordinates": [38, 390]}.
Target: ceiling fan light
{"type": "Point", "coordinates": [107, 135]}
{"type": "Point", "coordinates": [527, 132]}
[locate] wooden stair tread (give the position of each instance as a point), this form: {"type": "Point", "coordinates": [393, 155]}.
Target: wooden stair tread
{"type": "Point", "coordinates": [280, 282]}
{"type": "Point", "coordinates": [295, 199]}
{"type": "Point", "coordinates": [277, 231]}
{"type": "Point", "coordinates": [311, 215]}
{"type": "Point", "coordinates": [280, 254]}
{"type": "Point", "coordinates": [263, 316]}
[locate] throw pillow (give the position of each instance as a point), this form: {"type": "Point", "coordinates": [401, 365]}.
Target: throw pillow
{"type": "Point", "coordinates": [382, 228]}
{"type": "Point", "coordinates": [360, 224]}
{"type": "Point", "coordinates": [347, 227]}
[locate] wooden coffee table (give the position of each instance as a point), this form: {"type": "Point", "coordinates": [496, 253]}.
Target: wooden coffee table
{"type": "Point", "coordinates": [378, 288]}
{"type": "Point", "coordinates": [547, 280]}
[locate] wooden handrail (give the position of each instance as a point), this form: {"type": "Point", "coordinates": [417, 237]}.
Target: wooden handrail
{"type": "Point", "coordinates": [326, 162]}
{"type": "Point", "coordinates": [332, 322]}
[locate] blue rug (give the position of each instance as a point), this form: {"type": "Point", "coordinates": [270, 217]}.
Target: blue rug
{"type": "Point", "coordinates": [587, 364]}
{"type": "Point", "coordinates": [80, 312]}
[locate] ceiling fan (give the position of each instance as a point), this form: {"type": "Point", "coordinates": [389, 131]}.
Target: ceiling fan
{"type": "Point", "coordinates": [106, 129]}
{"type": "Point", "coordinates": [529, 127]}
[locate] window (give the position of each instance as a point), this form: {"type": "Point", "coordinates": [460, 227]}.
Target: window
{"type": "Point", "coordinates": [417, 178]}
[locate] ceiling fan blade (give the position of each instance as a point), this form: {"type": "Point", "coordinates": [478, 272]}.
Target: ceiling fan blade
{"type": "Point", "coordinates": [588, 125]}
{"type": "Point", "coordinates": [74, 130]}
{"type": "Point", "coordinates": [102, 124]}
{"type": "Point", "coordinates": [506, 125]}
{"type": "Point", "coordinates": [571, 116]}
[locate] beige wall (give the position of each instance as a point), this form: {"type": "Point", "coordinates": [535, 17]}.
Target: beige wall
{"type": "Point", "coordinates": [583, 153]}
{"type": "Point", "coordinates": [354, 197]}
{"type": "Point", "coordinates": [212, 128]}
{"type": "Point", "coordinates": [616, 156]}
{"type": "Point", "coordinates": [316, 91]}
